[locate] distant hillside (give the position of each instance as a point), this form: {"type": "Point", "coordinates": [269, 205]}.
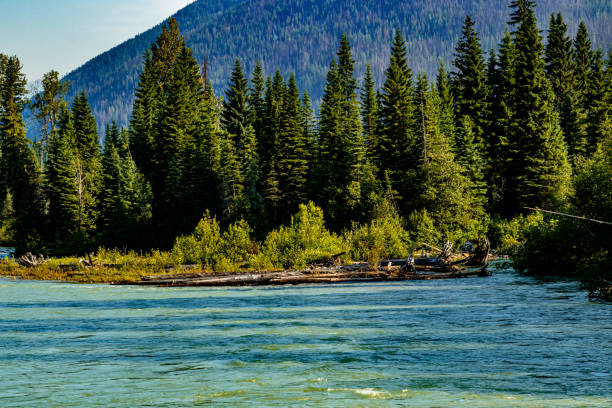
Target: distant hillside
{"type": "Point", "coordinates": [301, 36]}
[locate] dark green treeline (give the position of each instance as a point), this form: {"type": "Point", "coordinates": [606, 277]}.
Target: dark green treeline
{"type": "Point", "coordinates": [496, 133]}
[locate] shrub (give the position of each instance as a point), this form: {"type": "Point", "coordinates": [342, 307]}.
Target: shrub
{"type": "Point", "coordinates": [383, 237]}
{"type": "Point", "coordinates": [304, 241]}
{"type": "Point", "coordinates": [422, 229]}
{"type": "Point", "coordinates": [509, 235]}
{"type": "Point", "coordinates": [236, 245]}
{"type": "Point", "coordinates": [202, 246]}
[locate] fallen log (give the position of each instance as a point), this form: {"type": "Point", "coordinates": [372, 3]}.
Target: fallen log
{"type": "Point", "coordinates": [323, 275]}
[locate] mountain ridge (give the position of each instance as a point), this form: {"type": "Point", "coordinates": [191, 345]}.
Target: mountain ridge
{"type": "Point", "coordinates": [301, 36]}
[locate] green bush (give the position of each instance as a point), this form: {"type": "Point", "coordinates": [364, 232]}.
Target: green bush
{"type": "Point", "coordinates": [382, 238]}
{"type": "Point", "coordinates": [305, 240]}
{"type": "Point", "coordinates": [507, 236]}
{"type": "Point", "coordinates": [202, 246]}
{"type": "Point", "coordinates": [236, 245]}
{"type": "Point", "coordinates": [422, 229]}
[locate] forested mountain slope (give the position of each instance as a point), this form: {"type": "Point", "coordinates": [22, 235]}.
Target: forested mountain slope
{"type": "Point", "coordinates": [300, 36]}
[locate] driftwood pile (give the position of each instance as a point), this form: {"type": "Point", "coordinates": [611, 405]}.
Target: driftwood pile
{"type": "Point", "coordinates": [447, 265]}
{"type": "Point", "coordinates": [30, 261]}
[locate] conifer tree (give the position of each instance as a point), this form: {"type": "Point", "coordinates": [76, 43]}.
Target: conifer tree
{"type": "Point", "coordinates": [269, 172]}
{"type": "Point", "coordinates": [470, 88]}
{"type": "Point", "coordinates": [257, 105]}
{"type": "Point", "coordinates": [87, 161]}
{"type": "Point", "coordinates": [174, 142]}
{"type": "Point", "coordinates": [111, 204]}
{"type": "Point", "coordinates": [19, 173]}
{"type": "Point", "coordinates": [443, 188]}
{"type": "Point", "coordinates": [309, 127]}
{"type": "Point", "coordinates": [292, 163]}
{"type": "Point", "coordinates": [46, 106]}
{"type": "Point", "coordinates": [400, 147]}
{"type": "Point", "coordinates": [447, 101]}
{"type": "Point", "coordinates": [558, 57]}
{"type": "Point", "coordinates": [143, 124]}
{"type": "Point", "coordinates": [370, 108]}
{"type": "Point", "coordinates": [61, 180]}
{"type": "Point", "coordinates": [235, 114]}
{"type": "Point", "coordinates": [598, 108]}
{"type": "Point", "coordinates": [539, 174]}
{"type": "Point", "coordinates": [340, 139]}
{"type": "Point", "coordinates": [574, 110]}
{"type": "Point", "coordinates": [469, 156]}
{"type": "Point", "coordinates": [501, 81]}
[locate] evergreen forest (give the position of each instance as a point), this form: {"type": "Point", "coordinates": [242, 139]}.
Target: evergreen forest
{"type": "Point", "coordinates": [455, 156]}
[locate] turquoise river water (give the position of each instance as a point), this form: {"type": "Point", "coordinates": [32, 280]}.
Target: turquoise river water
{"type": "Point", "coordinates": [503, 341]}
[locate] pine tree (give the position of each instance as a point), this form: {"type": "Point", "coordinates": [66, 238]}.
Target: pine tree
{"type": "Point", "coordinates": [370, 108]}
{"type": "Point", "coordinates": [292, 157]}
{"type": "Point", "coordinates": [501, 81]}
{"type": "Point", "coordinates": [519, 11]}
{"type": "Point", "coordinates": [174, 142]}
{"type": "Point", "coordinates": [447, 101]}
{"type": "Point", "coordinates": [257, 105]}
{"type": "Point", "coordinates": [309, 127]}
{"type": "Point", "coordinates": [111, 203]}
{"type": "Point", "coordinates": [61, 180]}
{"type": "Point", "coordinates": [46, 106]}
{"type": "Point", "coordinates": [470, 88]}
{"type": "Point", "coordinates": [19, 174]}
{"type": "Point", "coordinates": [444, 191]}
{"type": "Point", "coordinates": [539, 172]}
{"type": "Point", "coordinates": [269, 173]}
{"type": "Point", "coordinates": [340, 139]}
{"type": "Point", "coordinates": [558, 56]}
{"type": "Point", "coordinates": [598, 108]}
{"type": "Point", "coordinates": [143, 124]}
{"type": "Point", "coordinates": [88, 162]}
{"type": "Point", "coordinates": [469, 156]}
{"type": "Point", "coordinates": [400, 147]}
{"type": "Point", "coordinates": [235, 114]}
{"type": "Point", "coordinates": [575, 106]}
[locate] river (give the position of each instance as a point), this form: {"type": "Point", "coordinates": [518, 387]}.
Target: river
{"type": "Point", "coordinates": [503, 341]}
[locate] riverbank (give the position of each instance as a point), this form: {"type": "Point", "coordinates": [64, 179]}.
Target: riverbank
{"type": "Point", "coordinates": [114, 268]}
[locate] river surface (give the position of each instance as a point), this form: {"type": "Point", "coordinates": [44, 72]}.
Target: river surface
{"type": "Point", "coordinates": [503, 341]}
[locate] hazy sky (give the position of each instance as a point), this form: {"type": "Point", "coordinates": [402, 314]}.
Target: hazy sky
{"type": "Point", "coordinates": [64, 34]}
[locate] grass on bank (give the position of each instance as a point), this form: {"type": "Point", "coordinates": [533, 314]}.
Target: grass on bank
{"type": "Point", "coordinates": [209, 249]}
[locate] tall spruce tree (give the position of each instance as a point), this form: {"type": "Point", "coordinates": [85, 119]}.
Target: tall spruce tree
{"type": "Point", "coordinates": [235, 116]}
{"type": "Point", "coordinates": [558, 57]}
{"type": "Point", "coordinates": [598, 107]}
{"type": "Point", "coordinates": [370, 116]}
{"type": "Point", "coordinates": [340, 139]}
{"type": "Point", "coordinates": [501, 81]}
{"type": "Point", "coordinates": [470, 87]}
{"type": "Point", "coordinates": [145, 114]}
{"type": "Point", "coordinates": [444, 190]}
{"type": "Point", "coordinates": [20, 176]}
{"type": "Point", "coordinates": [447, 101]}
{"type": "Point", "coordinates": [292, 157]}
{"type": "Point", "coordinates": [177, 129]}
{"type": "Point", "coordinates": [61, 181]}
{"type": "Point", "coordinates": [539, 174]}
{"type": "Point", "coordinates": [88, 163]}
{"type": "Point", "coordinates": [574, 111]}
{"type": "Point", "coordinates": [257, 106]}
{"type": "Point", "coordinates": [399, 151]}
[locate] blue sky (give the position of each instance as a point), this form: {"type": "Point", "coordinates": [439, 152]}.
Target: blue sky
{"type": "Point", "coordinates": [64, 34]}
